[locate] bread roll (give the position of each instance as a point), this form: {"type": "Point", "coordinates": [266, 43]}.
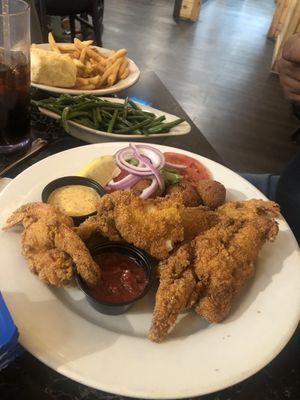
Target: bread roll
{"type": "Point", "coordinates": [52, 69]}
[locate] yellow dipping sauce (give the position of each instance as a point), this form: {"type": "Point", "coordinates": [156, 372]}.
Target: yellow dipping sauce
{"type": "Point", "coordinates": [74, 200]}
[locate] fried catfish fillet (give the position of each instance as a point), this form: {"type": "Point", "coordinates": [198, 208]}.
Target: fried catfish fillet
{"type": "Point", "coordinates": [249, 209]}
{"type": "Point", "coordinates": [208, 272]}
{"type": "Point", "coordinates": [225, 259]}
{"type": "Point", "coordinates": [52, 249]}
{"type": "Point", "coordinates": [154, 225]}
{"type": "Point", "coordinates": [177, 285]}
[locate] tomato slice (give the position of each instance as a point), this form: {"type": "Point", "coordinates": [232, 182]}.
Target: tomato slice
{"type": "Point", "coordinates": [121, 175]}
{"type": "Point", "coordinates": [194, 171]}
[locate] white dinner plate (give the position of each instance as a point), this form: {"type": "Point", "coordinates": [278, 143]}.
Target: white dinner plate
{"type": "Point", "coordinates": [112, 353]}
{"type": "Point", "coordinates": [94, 136]}
{"type": "Point", "coordinates": [131, 79]}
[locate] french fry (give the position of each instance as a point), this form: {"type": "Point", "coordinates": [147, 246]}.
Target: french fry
{"type": "Point", "coordinates": [76, 54]}
{"type": "Point", "coordinates": [112, 79]}
{"type": "Point", "coordinates": [125, 73]}
{"type": "Point", "coordinates": [78, 64]}
{"type": "Point", "coordinates": [86, 42]}
{"type": "Point", "coordinates": [113, 76]}
{"type": "Point", "coordinates": [100, 68]}
{"type": "Point", "coordinates": [66, 47]}
{"type": "Point", "coordinates": [85, 45]}
{"type": "Point", "coordinates": [118, 54]}
{"type": "Point", "coordinates": [82, 55]}
{"type": "Point", "coordinates": [95, 80]}
{"type": "Point", "coordinates": [95, 69]}
{"type": "Point", "coordinates": [94, 54]}
{"type": "Point", "coordinates": [110, 70]}
{"type": "Point", "coordinates": [52, 43]}
{"type": "Point", "coordinates": [82, 81]}
{"type": "Point", "coordinates": [78, 44]}
{"type": "Point", "coordinates": [123, 66]}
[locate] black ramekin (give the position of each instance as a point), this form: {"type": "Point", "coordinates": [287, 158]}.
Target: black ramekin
{"type": "Point", "coordinates": [72, 180]}
{"type": "Point", "coordinates": [142, 259]}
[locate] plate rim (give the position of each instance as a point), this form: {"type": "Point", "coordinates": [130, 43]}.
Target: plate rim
{"type": "Point", "coordinates": [239, 378]}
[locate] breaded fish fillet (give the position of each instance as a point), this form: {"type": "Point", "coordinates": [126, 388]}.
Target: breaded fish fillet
{"type": "Point", "coordinates": [208, 272]}
{"type": "Point", "coordinates": [153, 225]}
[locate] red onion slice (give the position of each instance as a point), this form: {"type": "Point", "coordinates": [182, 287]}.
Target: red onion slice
{"type": "Point", "coordinates": [125, 183]}
{"type": "Point", "coordinates": [155, 157]}
{"type": "Point", "coordinates": [155, 172]}
{"type": "Point", "coordinates": [176, 166]}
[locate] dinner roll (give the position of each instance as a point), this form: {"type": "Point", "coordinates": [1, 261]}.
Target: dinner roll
{"type": "Point", "coordinates": [52, 69]}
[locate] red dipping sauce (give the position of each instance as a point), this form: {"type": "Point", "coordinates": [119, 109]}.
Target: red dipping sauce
{"type": "Point", "coordinates": [122, 278]}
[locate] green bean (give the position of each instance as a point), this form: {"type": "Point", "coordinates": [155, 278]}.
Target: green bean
{"type": "Point", "coordinates": [95, 118]}
{"type": "Point", "coordinates": [75, 114]}
{"type": "Point", "coordinates": [87, 122]}
{"type": "Point", "coordinates": [64, 119]}
{"type": "Point", "coordinates": [85, 106]}
{"type": "Point", "coordinates": [99, 116]}
{"type": "Point", "coordinates": [125, 107]}
{"type": "Point", "coordinates": [106, 115]}
{"type": "Point", "coordinates": [112, 105]}
{"type": "Point", "coordinates": [166, 126]}
{"type": "Point", "coordinates": [137, 117]}
{"type": "Point", "coordinates": [133, 105]}
{"type": "Point", "coordinates": [157, 121]}
{"type": "Point", "coordinates": [134, 127]}
{"type": "Point", "coordinates": [124, 121]}
{"type": "Point", "coordinates": [112, 122]}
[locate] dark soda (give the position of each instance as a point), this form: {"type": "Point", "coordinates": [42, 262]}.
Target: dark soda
{"type": "Point", "coordinates": [14, 100]}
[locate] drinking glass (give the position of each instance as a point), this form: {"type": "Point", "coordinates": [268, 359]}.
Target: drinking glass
{"type": "Point", "coordinates": [14, 75]}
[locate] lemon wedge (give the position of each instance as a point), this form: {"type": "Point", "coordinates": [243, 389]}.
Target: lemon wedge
{"type": "Point", "coordinates": [101, 169]}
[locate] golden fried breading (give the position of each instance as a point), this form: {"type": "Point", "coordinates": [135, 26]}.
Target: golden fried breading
{"type": "Point", "coordinates": [196, 220]}
{"type": "Point", "coordinates": [153, 225]}
{"type": "Point", "coordinates": [249, 209]}
{"type": "Point", "coordinates": [187, 193]}
{"type": "Point", "coordinates": [51, 248]}
{"type": "Point", "coordinates": [103, 222]}
{"type": "Point", "coordinates": [224, 261]}
{"type": "Point", "coordinates": [177, 284]}
{"type": "Point", "coordinates": [69, 242]}
{"type": "Point", "coordinates": [50, 264]}
{"type": "Point", "coordinates": [209, 272]}
{"type": "Point", "coordinates": [31, 212]}
{"type": "Point", "coordinates": [211, 193]}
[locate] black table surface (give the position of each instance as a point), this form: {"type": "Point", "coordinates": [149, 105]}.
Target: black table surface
{"type": "Point", "coordinates": [28, 379]}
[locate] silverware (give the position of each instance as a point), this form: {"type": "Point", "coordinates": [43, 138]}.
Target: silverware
{"type": "Point", "coordinates": [36, 145]}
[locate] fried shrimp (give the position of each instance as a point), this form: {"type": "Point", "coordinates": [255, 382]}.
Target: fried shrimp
{"type": "Point", "coordinates": [52, 249]}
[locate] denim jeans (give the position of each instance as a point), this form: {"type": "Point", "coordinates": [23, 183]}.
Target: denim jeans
{"type": "Point", "coordinates": [266, 183]}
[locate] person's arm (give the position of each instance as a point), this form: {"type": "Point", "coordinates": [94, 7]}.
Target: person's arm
{"type": "Point", "coordinates": [289, 71]}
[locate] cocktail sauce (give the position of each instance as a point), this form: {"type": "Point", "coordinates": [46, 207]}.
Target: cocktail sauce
{"type": "Point", "coordinates": [122, 278]}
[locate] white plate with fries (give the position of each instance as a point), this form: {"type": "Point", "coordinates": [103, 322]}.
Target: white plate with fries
{"type": "Point", "coordinates": [90, 135]}
{"type": "Point", "coordinates": [99, 71]}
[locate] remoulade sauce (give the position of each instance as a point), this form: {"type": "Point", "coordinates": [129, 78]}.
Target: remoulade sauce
{"type": "Point", "coordinates": [75, 200]}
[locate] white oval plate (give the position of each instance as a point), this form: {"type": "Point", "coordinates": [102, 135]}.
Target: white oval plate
{"type": "Point", "coordinates": [131, 79]}
{"type": "Point", "coordinates": [112, 353]}
{"type": "Point", "coordinates": [93, 136]}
